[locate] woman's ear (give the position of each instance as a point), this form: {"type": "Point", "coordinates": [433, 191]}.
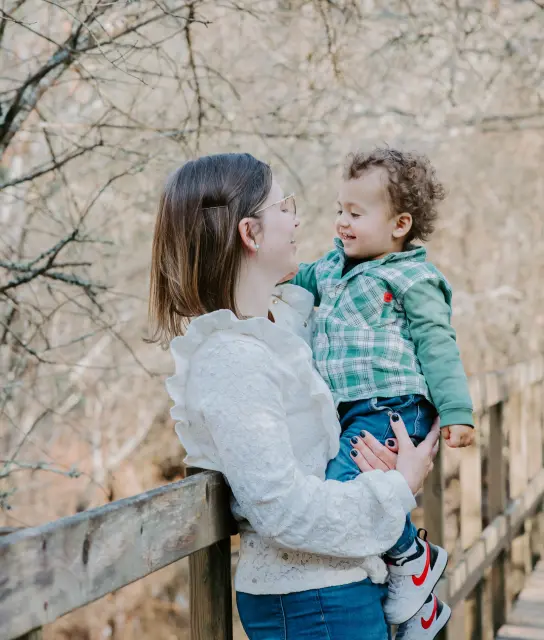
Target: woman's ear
{"type": "Point", "coordinates": [248, 229]}
{"type": "Point", "coordinates": [403, 224]}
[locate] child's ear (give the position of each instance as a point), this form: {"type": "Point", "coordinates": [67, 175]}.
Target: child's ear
{"type": "Point", "coordinates": [403, 224]}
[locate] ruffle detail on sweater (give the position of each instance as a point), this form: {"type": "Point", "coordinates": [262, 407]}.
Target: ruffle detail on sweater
{"type": "Point", "coordinates": [290, 348]}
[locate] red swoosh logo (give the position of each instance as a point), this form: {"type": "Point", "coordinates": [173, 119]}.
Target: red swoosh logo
{"type": "Point", "coordinates": [419, 580]}
{"type": "Point", "coordinates": [427, 623]}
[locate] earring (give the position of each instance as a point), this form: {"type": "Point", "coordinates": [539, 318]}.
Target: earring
{"type": "Point", "coordinates": [256, 246]}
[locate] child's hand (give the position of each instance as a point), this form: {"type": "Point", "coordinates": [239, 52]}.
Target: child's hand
{"type": "Point", "coordinates": [458, 435]}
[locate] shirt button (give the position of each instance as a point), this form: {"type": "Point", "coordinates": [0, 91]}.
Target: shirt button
{"type": "Point", "coordinates": [274, 301]}
{"type": "Point", "coordinates": [305, 324]}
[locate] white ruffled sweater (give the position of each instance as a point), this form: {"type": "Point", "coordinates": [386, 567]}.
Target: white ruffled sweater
{"type": "Point", "coordinates": [249, 403]}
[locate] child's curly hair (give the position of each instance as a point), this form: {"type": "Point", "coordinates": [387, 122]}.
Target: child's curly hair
{"type": "Point", "coordinates": [413, 186]}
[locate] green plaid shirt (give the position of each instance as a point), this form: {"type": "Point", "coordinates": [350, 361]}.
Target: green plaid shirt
{"type": "Point", "coordinates": [362, 342]}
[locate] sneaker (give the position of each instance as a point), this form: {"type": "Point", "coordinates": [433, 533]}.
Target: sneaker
{"type": "Point", "coordinates": [428, 621]}
{"type": "Point", "coordinates": [412, 578]}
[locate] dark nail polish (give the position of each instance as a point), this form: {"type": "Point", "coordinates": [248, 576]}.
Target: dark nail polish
{"type": "Point", "coordinates": [395, 417]}
{"type": "Point", "coordinates": [353, 453]}
{"type": "Point", "coordinates": [363, 434]}
{"type": "Point", "coordinates": [354, 440]}
{"type": "Point", "coordinates": [391, 443]}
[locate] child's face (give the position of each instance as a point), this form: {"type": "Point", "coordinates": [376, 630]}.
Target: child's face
{"type": "Point", "coordinates": [365, 223]}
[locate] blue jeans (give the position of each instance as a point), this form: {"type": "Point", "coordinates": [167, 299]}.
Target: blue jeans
{"type": "Point", "coordinates": [351, 611]}
{"type": "Point", "coordinates": [373, 416]}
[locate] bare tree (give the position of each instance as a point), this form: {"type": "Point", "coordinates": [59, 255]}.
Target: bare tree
{"type": "Point", "coordinates": [94, 98]}
{"type": "Point", "coordinates": [99, 100]}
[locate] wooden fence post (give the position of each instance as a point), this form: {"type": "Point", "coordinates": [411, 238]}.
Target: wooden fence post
{"type": "Point", "coordinates": [434, 520]}
{"type": "Point", "coordinates": [518, 477]}
{"type": "Point", "coordinates": [536, 441]}
{"type": "Point", "coordinates": [211, 589]}
{"type": "Point", "coordinates": [35, 634]}
{"type": "Point", "coordinates": [470, 482]}
{"type": "Point", "coordinates": [497, 501]}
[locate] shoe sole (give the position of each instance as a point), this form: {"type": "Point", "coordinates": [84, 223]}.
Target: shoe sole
{"type": "Point", "coordinates": [438, 572]}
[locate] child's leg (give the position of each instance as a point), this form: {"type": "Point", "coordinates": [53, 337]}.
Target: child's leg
{"type": "Point", "coordinates": [414, 566]}
{"type": "Point", "coordinates": [406, 540]}
{"type": "Point", "coordinates": [418, 415]}
{"type": "Point", "coordinates": [343, 467]}
{"type": "Point", "coordinates": [372, 416]}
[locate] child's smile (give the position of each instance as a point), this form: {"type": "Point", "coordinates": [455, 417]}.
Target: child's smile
{"type": "Point", "coordinates": [346, 237]}
{"type": "Point", "coordinates": [365, 222]}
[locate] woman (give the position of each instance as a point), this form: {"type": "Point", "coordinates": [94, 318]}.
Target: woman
{"type": "Point", "coordinates": [248, 403]}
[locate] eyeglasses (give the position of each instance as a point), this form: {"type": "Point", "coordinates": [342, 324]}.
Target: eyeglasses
{"type": "Point", "coordinates": [288, 205]}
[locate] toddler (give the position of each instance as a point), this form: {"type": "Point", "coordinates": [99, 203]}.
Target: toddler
{"type": "Point", "coordinates": [384, 344]}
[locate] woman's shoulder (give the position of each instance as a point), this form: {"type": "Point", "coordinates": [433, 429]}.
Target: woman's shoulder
{"type": "Point", "coordinates": [293, 309]}
{"type": "Point", "coordinates": [219, 339]}
{"type": "Point", "coordinates": [214, 339]}
{"type": "Point", "coordinates": [219, 349]}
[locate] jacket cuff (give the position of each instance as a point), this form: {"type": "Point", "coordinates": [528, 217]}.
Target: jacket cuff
{"type": "Point", "coordinates": [456, 416]}
{"type": "Point", "coordinates": [402, 490]}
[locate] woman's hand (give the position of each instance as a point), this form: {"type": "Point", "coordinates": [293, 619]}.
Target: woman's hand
{"type": "Point", "coordinates": [369, 454]}
{"type": "Point", "coordinates": [414, 463]}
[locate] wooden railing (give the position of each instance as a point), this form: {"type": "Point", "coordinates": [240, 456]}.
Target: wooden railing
{"type": "Point", "coordinates": [484, 504]}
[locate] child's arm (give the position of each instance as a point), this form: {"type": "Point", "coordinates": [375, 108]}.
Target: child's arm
{"type": "Point", "coordinates": [306, 279]}
{"type": "Point", "coordinates": [429, 313]}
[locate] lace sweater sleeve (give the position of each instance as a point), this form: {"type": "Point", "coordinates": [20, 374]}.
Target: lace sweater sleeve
{"type": "Point", "coordinates": [239, 384]}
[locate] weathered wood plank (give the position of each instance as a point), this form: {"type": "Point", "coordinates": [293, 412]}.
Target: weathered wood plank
{"type": "Point", "coordinates": [211, 589]}
{"type": "Point", "coordinates": [50, 570]}
{"type": "Point", "coordinates": [211, 592]}
{"type": "Point", "coordinates": [434, 520]}
{"type": "Point", "coordinates": [433, 501]}
{"type": "Point", "coordinates": [518, 424]}
{"type": "Point", "coordinates": [471, 521]}
{"type": "Point", "coordinates": [497, 501]}
{"type": "Point", "coordinates": [471, 489]}
{"type": "Point", "coordinates": [495, 537]}
{"type": "Point", "coordinates": [526, 619]}
{"type": "Point", "coordinates": [486, 631]}
{"type": "Point", "coordinates": [496, 386]}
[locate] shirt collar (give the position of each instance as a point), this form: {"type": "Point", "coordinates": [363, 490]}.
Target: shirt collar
{"type": "Point", "coordinates": [413, 253]}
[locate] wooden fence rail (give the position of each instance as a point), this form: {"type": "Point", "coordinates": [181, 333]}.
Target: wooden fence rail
{"type": "Point", "coordinates": [484, 504]}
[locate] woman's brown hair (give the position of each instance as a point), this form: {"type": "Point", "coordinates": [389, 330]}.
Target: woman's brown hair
{"type": "Point", "coordinates": [197, 249]}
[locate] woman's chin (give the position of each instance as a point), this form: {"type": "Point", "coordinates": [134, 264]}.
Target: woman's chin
{"type": "Point", "coordinates": [291, 269]}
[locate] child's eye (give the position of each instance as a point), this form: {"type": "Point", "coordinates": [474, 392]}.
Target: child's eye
{"type": "Point", "coordinates": [355, 215]}
{"type": "Point", "coordinates": [339, 212]}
